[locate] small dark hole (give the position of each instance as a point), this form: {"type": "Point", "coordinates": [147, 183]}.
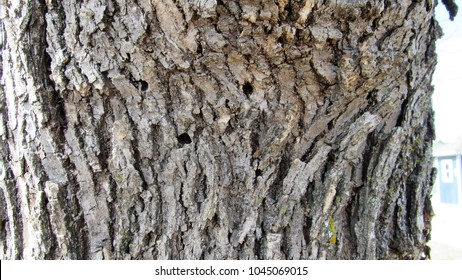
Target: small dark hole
{"type": "Point", "coordinates": [258, 172]}
{"type": "Point", "coordinates": [330, 125]}
{"type": "Point", "coordinates": [199, 49]}
{"type": "Point", "coordinates": [369, 95]}
{"type": "Point", "coordinates": [144, 86]}
{"type": "Point", "coordinates": [331, 42]}
{"type": "Point", "coordinates": [280, 40]}
{"type": "Point", "coordinates": [184, 139]}
{"type": "Point", "coordinates": [247, 88]}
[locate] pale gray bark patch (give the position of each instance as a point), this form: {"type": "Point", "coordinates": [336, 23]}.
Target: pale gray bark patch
{"type": "Point", "coordinates": [216, 129]}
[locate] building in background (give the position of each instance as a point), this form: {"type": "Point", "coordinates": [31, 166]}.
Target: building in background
{"type": "Point", "coordinates": [448, 183]}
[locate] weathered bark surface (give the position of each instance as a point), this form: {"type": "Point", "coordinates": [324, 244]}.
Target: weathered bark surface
{"type": "Point", "coordinates": [191, 129]}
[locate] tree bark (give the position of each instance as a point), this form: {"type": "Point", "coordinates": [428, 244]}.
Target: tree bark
{"type": "Point", "coordinates": [208, 129]}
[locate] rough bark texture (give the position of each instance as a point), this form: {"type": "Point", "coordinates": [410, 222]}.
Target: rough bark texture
{"type": "Point", "coordinates": [208, 129]}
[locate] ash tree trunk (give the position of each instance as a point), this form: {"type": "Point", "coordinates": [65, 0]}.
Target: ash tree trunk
{"type": "Point", "coordinates": [207, 129]}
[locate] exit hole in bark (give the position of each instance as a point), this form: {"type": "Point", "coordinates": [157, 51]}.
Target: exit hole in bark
{"type": "Point", "coordinates": [247, 88]}
{"type": "Point", "coordinates": [144, 85]}
{"type": "Point", "coordinates": [330, 125]}
{"type": "Point", "coordinates": [184, 139]}
{"type": "Point", "coordinates": [258, 172]}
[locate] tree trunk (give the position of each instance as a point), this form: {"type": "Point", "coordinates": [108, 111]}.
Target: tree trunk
{"type": "Point", "coordinates": [208, 129]}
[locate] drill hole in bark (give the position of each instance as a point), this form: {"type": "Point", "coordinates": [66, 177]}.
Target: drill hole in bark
{"type": "Point", "coordinates": [258, 173]}
{"type": "Point", "coordinates": [144, 85]}
{"type": "Point", "coordinates": [247, 88]}
{"type": "Point", "coordinates": [330, 125]}
{"type": "Point", "coordinates": [184, 139]}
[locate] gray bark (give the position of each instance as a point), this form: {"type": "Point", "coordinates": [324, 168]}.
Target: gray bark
{"type": "Point", "coordinates": [205, 129]}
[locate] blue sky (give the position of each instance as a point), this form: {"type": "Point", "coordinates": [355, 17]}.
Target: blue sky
{"type": "Point", "coordinates": [447, 98]}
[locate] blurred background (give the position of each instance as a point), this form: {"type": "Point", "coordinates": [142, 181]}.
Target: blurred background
{"type": "Point", "coordinates": [447, 148]}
